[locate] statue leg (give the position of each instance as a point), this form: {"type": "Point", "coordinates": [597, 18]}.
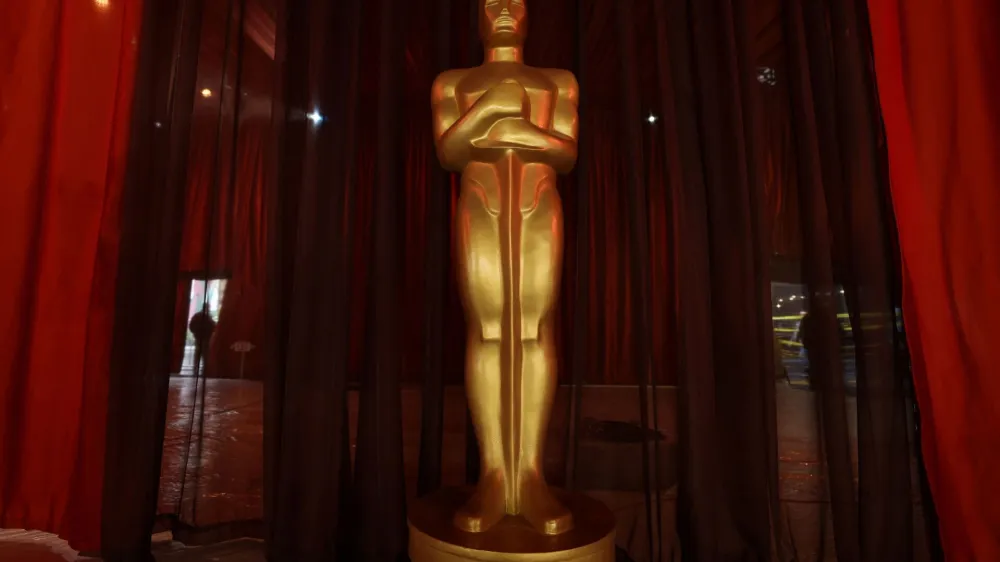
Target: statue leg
{"type": "Point", "coordinates": [479, 271]}
{"type": "Point", "coordinates": [482, 383]}
{"type": "Point", "coordinates": [541, 258]}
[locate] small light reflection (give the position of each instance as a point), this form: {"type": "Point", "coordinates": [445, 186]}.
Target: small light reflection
{"type": "Point", "coordinates": [206, 93]}
{"type": "Point", "coordinates": [102, 4]}
{"type": "Point", "coordinates": [316, 117]}
{"type": "Point", "coordinates": [652, 118]}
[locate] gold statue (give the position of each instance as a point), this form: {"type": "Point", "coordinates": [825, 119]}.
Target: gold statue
{"type": "Point", "coordinates": [509, 129]}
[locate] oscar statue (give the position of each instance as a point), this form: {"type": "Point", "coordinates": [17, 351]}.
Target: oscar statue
{"type": "Point", "coordinates": [508, 128]}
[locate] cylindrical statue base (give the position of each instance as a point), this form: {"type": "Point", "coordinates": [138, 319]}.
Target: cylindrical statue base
{"type": "Point", "coordinates": [434, 538]}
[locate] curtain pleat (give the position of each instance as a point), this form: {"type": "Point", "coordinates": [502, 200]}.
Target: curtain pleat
{"type": "Point", "coordinates": [638, 302]}
{"type": "Point", "coordinates": [379, 464]}
{"type": "Point", "coordinates": [581, 255]}
{"type": "Point", "coordinates": [822, 328]}
{"type": "Point", "coordinates": [884, 490]}
{"type": "Point", "coordinates": [728, 473]}
{"type": "Point", "coordinates": [152, 211]}
{"type": "Point", "coordinates": [307, 460]}
{"type": "Point", "coordinates": [436, 271]}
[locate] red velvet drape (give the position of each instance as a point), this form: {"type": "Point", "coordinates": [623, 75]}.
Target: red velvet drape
{"type": "Point", "coordinates": [241, 317]}
{"type": "Point", "coordinates": [936, 64]}
{"type": "Point", "coordinates": [66, 79]}
{"type": "Point", "coordinates": [224, 235]}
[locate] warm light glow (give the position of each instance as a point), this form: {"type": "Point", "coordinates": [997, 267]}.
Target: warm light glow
{"type": "Point", "coordinates": [102, 4]}
{"type": "Point", "coordinates": [206, 93]}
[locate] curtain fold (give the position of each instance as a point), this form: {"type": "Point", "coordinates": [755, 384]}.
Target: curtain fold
{"type": "Point", "coordinates": [151, 218]}
{"type": "Point", "coordinates": [847, 250]}
{"type": "Point", "coordinates": [436, 270]}
{"type": "Point", "coordinates": [638, 214]}
{"type": "Point", "coordinates": [379, 462]}
{"type": "Point", "coordinates": [813, 127]}
{"type": "Point", "coordinates": [936, 75]}
{"type": "Point", "coordinates": [727, 502]}
{"type": "Point", "coordinates": [66, 88]}
{"type": "Point", "coordinates": [307, 458]}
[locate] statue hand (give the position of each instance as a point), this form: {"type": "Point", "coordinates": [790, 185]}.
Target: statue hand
{"type": "Point", "coordinates": [506, 99]}
{"type": "Point", "coordinates": [511, 132]}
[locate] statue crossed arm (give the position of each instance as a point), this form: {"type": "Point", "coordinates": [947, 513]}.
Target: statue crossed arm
{"type": "Point", "coordinates": [501, 119]}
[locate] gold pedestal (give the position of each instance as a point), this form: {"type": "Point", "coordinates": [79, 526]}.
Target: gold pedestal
{"type": "Point", "coordinates": [434, 538]}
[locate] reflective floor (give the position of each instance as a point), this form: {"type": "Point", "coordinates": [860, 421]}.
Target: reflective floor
{"type": "Point", "coordinates": [227, 482]}
{"type": "Point", "coordinates": [221, 447]}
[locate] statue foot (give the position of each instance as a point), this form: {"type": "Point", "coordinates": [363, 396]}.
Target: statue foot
{"type": "Point", "coordinates": [541, 509]}
{"type": "Point", "coordinates": [486, 507]}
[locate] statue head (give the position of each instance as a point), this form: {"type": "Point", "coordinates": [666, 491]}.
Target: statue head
{"type": "Point", "coordinates": [503, 23]}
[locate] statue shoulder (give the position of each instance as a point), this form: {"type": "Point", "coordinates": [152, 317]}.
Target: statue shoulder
{"type": "Point", "coordinates": [445, 84]}
{"type": "Point", "coordinates": [565, 80]}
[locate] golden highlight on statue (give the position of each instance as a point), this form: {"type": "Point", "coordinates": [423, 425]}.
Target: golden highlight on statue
{"type": "Point", "coordinates": [509, 129]}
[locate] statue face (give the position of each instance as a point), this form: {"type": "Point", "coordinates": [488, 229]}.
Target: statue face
{"type": "Point", "coordinates": [503, 23]}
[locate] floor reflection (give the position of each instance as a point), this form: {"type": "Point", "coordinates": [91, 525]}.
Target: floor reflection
{"type": "Point", "coordinates": [222, 445]}
{"type": "Point", "coordinates": [212, 453]}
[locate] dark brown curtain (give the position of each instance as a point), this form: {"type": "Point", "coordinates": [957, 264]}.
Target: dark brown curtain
{"type": "Point", "coordinates": [727, 503]}
{"type": "Point", "coordinates": [847, 249]}
{"type": "Point", "coordinates": [683, 192]}
{"type": "Point", "coordinates": [307, 457]}
{"type": "Point", "coordinates": [147, 276]}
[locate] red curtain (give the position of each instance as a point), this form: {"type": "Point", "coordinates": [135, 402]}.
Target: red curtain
{"type": "Point", "coordinates": [66, 82]}
{"type": "Point", "coordinates": [781, 190]}
{"type": "Point", "coordinates": [224, 235]}
{"type": "Point", "coordinates": [241, 317]}
{"type": "Point", "coordinates": [936, 66]}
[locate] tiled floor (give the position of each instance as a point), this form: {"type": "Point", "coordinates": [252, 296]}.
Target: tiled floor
{"type": "Point", "coordinates": [227, 481]}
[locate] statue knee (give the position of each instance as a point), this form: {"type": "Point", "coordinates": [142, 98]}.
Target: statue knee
{"type": "Point", "coordinates": [532, 327]}
{"type": "Point", "coordinates": [491, 330]}
{"type": "Point", "coordinates": [529, 331]}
